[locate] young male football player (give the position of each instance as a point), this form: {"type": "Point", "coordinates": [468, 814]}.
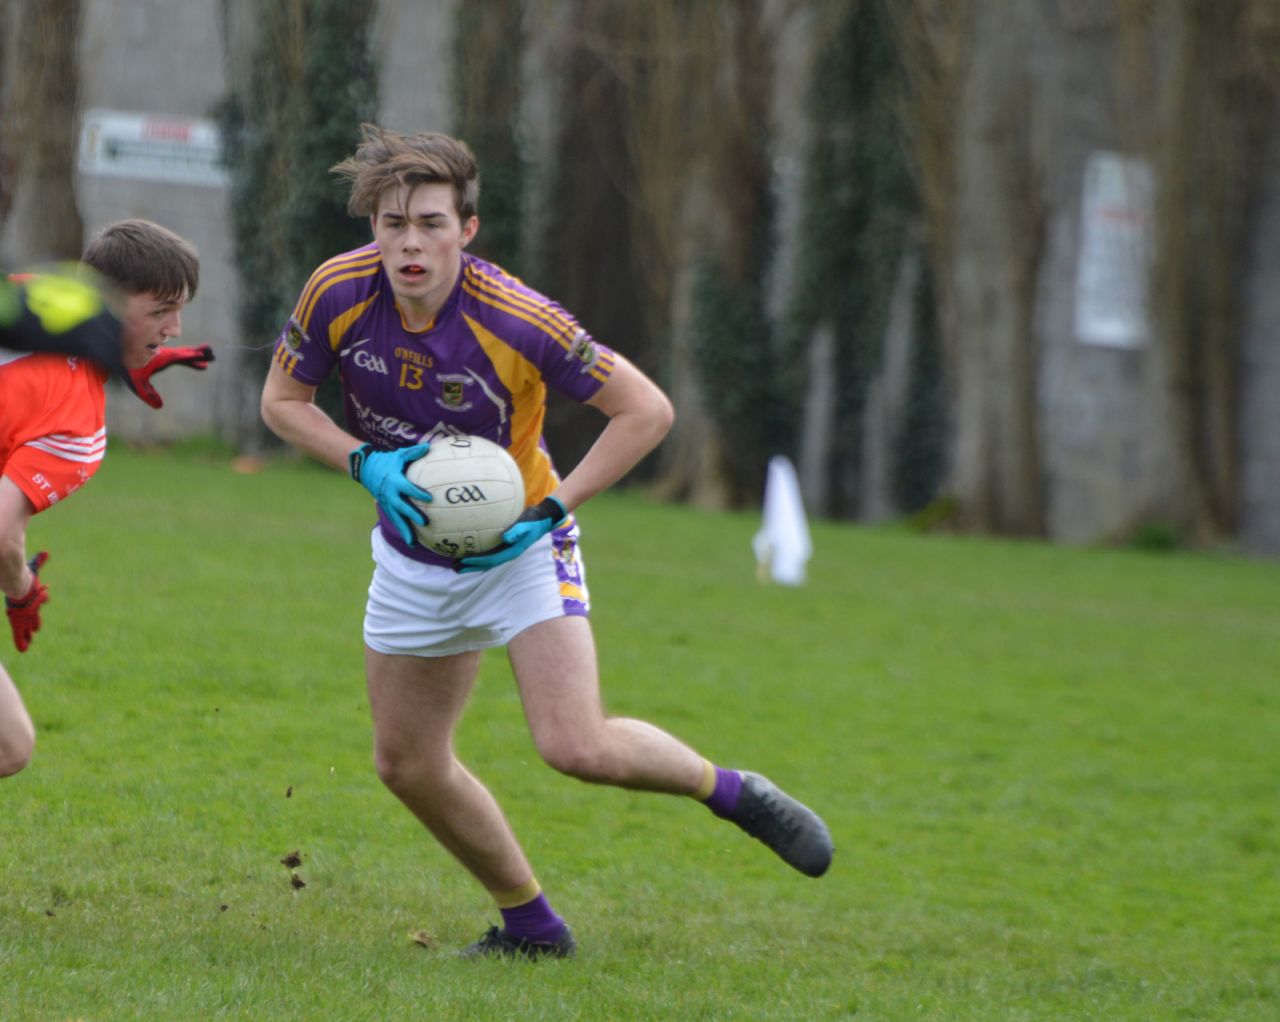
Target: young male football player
{"type": "Point", "coordinates": [53, 400]}
{"type": "Point", "coordinates": [430, 341]}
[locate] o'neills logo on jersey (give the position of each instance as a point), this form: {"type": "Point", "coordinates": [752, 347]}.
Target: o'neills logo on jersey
{"type": "Point", "coordinates": [418, 358]}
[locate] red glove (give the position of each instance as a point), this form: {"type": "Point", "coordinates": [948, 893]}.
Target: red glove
{"type": "Point", "coordinates": [24, 613]}
{"type": "Point", "coordinates": [196, 358]}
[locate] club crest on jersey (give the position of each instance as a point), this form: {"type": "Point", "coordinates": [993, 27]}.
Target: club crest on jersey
{"type": "Point", "coordinates": [453, 392]}
{"type": "Point", "coordinates": [294, 335]}
{"type": "Point", "coordinates": [583, 348]}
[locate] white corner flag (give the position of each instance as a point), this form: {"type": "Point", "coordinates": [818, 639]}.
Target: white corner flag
{"type": "Point", "coordinates": [782, 546]}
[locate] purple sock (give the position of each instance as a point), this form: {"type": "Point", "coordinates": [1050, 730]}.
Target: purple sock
{"type": "Point", "coordinates": [724, 799]}
{"type": "Point", "coordinates": [534, 920]}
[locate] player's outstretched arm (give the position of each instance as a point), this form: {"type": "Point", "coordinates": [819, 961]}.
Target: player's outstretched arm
{"type": "Point", "coordinates": [194, 358]}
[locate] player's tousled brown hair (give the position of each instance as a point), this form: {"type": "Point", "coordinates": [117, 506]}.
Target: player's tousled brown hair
{"type": "Point", "coordinates": [142, 257]}
{"type": "Point", "coordinates": [387, 158]}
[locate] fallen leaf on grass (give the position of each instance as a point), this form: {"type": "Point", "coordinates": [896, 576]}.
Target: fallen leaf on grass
{"type": "Point", "coordinates": [247, 465]}
{"type": "Point", "coordinates": [425, 939]}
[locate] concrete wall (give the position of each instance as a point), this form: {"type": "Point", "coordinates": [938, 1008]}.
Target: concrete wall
{"type": "Point", "coordinates": [159, 57]}
{"type": "Point", "coordinates": [156, 57]}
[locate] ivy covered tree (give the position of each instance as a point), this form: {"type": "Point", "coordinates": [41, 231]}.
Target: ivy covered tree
{"type": "Point", "coordinates": [302, 83]}
{"type": "Point", "coordinates": [732, 337]}
{"type": "Point", "coordinates": [859, 206]}
{"type": "Point", "coordinates": [486, 92]}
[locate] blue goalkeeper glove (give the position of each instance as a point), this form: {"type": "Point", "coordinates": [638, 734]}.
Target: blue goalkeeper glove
{"type": "Point", "coordinates": [382, 474]}
{"type": "Point", "coordinates": [530, 527]}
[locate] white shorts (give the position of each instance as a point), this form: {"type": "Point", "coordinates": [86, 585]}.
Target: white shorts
{"type": "Point", "coordinates": [418, 609]}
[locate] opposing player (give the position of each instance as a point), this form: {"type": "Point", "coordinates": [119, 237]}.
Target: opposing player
{"type": "Point", "coordinates": [429, 341]}
{"type": "Point", "coordinates": [53, 400]}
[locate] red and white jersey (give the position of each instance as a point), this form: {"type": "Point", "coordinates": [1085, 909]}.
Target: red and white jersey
{"type": "Point", "coordinates": [52, 423]}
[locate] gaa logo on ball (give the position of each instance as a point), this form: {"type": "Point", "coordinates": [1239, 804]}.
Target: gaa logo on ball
{"type": "Point", "coordinates": [464, 495]}
{"type": "Point", "coordinates": [476, 490]}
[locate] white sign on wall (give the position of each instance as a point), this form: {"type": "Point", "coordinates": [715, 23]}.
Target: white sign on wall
{"type": "Point", "coordinates": [1114, 261]}
{"type": "Point", "coordinates": [152, 147]}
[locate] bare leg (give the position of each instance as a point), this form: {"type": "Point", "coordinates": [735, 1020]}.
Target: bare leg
{"type": "Point", "coordinates": [555, 666]}
{"type": "Point", "coordinates": [416, 702]}
{"type": "Point", "coordinates": [17, 734]}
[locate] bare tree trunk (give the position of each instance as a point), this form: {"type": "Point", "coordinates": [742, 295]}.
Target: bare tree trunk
{"type": "Point", "coordinates": [993, 231]}
{"type": "Point", "coordinates": [692, 86]}
{"type": "Point", "coordinates": [736, 217]}
{"type": "Point", "coordinates": [1219, 103]}
{"type": "Point", "coordinates": [1259, 366]}
{"type": "Point", "coordinates": [8, 149]}
{"type": "Point", "coordinates": [38, 147]}
{"type": "Point", "coordinates": [884, 415]}
{"type": "Point", "coordinates": [668, 82]}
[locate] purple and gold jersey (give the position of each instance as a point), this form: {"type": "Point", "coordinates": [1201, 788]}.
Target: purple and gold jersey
{"type": "Point", "coordinates": [481, 367]}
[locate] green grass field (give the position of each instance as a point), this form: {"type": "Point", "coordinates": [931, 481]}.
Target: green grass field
{"type": "Point", "coordinates": [1053, 776]}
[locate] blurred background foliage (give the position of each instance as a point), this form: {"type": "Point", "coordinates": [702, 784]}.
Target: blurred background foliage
{"type": "Point", "coordinates": [839, 230]}
{"type": "Point", "coordinates": [303, 88]}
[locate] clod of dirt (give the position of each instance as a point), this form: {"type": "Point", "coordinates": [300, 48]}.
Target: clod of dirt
{"type": "Point", "coordinates": [424, 938]}
{"type": "Point", "coordinates": [293, 860]}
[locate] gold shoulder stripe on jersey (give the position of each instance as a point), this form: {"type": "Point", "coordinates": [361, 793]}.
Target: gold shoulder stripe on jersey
{"type": "Point", "coordinates": [536, 304]}
{"type": "Point", "coordinates": [562, 337]}
{"type": "Point", "coordinates": [285, 360]}
{"type": "Point", "coordinates": [555, 321]}
{"type": "Point", "coordinates": [305, 318]}
{"type": "Point", "coordinates": [341, 324]}
{"type": "Point", "coordinates": [517, 313]}
{"type": "Point", "coordinates": [332, 272]}
{"type": "Point", "coordinates": [337, 264]}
